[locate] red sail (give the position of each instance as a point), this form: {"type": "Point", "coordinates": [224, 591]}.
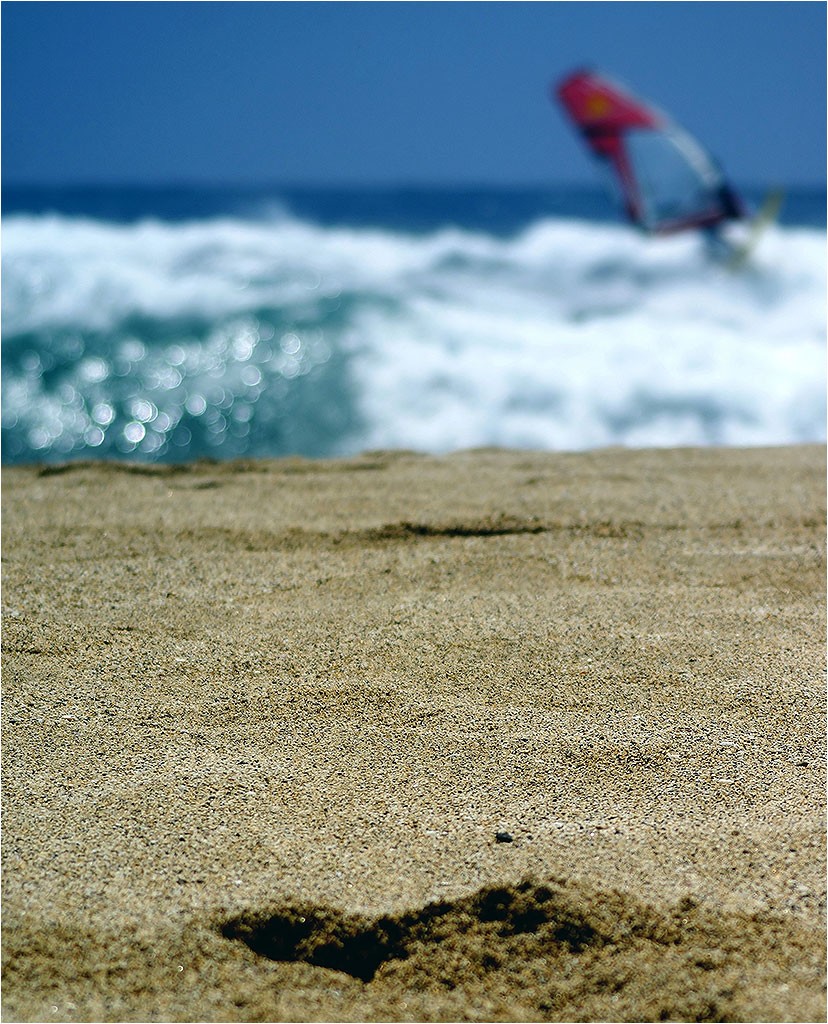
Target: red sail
{"type": "Point", "coordinates": [668, 182]}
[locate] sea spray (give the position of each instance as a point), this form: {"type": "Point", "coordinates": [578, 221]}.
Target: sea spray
{"type": "Point", "coordinates": [269, 335]}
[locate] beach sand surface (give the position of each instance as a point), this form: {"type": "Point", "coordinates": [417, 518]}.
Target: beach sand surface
{"type": "Point", "coordinates": [264, 721]}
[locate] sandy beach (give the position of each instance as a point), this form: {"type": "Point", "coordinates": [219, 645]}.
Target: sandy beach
{"type": "Point", "coordinates": [494, 736]}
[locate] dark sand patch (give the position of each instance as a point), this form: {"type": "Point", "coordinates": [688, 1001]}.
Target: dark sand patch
{"type": "Point", "coordinates": [560, 951]}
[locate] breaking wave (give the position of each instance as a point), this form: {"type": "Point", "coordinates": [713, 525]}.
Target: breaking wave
{"type": "Point", "coordinates": [223, 337]}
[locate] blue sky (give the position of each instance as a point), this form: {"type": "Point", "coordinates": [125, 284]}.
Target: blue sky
{"type": "Point", "coordinates": [394, 93]}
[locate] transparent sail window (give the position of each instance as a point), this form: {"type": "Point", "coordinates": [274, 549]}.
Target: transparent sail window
{"type": "Point", "coordinates": [676, 179]}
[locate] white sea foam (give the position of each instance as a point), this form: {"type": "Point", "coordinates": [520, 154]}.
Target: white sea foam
{"type": "Point", "coordinates": [282, 335]}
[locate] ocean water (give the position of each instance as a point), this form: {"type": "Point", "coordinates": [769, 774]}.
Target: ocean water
{"type": "Point", "coordinates": [171, 324]}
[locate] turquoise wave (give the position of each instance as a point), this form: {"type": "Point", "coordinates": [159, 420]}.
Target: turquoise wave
{"type": "Point", "coordinates": [226, 337]}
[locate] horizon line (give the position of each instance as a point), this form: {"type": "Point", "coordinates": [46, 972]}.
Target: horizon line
{"type": "Point", "coordinates": [361, 185]}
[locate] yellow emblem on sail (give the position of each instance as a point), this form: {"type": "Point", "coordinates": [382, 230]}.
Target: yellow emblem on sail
{"type": "Point", "coordinates": [597, 105]}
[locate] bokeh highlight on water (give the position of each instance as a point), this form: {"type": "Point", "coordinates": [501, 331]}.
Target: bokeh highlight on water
{"type": "Point", "coordinates": [174, 324]}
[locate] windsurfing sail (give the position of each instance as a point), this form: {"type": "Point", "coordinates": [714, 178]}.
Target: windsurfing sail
{"type": "Point", "coordinates": [668, 182]}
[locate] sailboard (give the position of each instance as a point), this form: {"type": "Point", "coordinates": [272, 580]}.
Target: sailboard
{"type": "Point", "coordinates": [767, 215]}
{"type": "Point", "coordinates": [667, 180]}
